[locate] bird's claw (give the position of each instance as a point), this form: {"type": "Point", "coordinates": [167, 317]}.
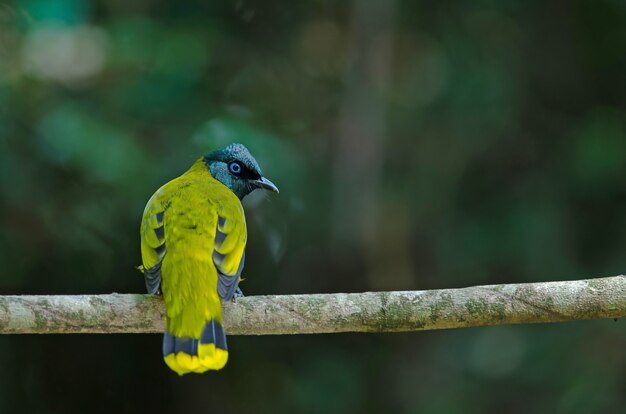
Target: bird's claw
{"type": "Point", "coordinates": [238, 294]}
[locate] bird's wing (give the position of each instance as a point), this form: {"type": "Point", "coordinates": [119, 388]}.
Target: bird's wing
{"type": "Point", "coordinates": [153, 239]}
{"type": "Point", "coordinates": [230, 243]}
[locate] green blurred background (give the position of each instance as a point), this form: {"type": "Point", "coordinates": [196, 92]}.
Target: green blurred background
{"type": "Point", "coordinates": [417, 145]}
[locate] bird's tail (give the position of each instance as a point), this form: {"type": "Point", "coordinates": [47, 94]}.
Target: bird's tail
{"type": "Point", "coordinates": [185, 355]}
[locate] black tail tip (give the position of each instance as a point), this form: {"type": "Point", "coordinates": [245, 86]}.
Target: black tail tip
{"type": "Point", "coordinates": [212, 333]}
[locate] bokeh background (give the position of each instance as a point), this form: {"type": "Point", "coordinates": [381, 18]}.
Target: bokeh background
{"type": "Point", "coordinates": [417, 145]}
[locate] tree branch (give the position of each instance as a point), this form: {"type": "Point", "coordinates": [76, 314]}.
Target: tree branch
{"type": "Point", "coordinates": [326, 313]}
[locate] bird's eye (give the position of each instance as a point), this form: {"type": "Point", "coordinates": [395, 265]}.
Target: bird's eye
{"type": "Point", "coordinates": [234, 167]}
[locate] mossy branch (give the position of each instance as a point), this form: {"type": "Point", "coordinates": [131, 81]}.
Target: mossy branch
{"type": "Point", "coordinates": [326, 313]}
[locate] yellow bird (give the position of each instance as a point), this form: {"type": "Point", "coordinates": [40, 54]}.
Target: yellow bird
{"type": "Point", "coordinates": [193, 239]}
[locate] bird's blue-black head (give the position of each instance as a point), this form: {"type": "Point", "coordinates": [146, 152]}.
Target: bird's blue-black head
{"type": "Point", "coordinates": [237, 169]}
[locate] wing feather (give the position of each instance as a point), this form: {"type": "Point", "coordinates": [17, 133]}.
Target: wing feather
{"type": "Point", "coordinates": [153, 242]}
{"type": "Point", "coordinates": [229, 254]}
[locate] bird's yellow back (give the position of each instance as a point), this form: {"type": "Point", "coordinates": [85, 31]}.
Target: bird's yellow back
{"type": "Point", "coordinates": [193, 237]}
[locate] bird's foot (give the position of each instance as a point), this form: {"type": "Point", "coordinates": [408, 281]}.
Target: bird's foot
{"type": "Point", "coordinates": [238, 294]}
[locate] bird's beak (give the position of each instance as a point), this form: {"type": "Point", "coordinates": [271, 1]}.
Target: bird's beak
{"type": "Point", "coordinates": [265, 184]}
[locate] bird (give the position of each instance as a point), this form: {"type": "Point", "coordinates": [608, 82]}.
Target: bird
{"type": "Point", "coordinates": [193, 240]}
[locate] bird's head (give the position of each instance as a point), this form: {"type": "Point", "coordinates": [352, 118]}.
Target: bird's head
{"type": "Point", "coordinates": [237, 169]}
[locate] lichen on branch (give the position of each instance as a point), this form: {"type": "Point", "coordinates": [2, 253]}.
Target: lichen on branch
{"type": "Point", "coordinates": [328, 313]}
